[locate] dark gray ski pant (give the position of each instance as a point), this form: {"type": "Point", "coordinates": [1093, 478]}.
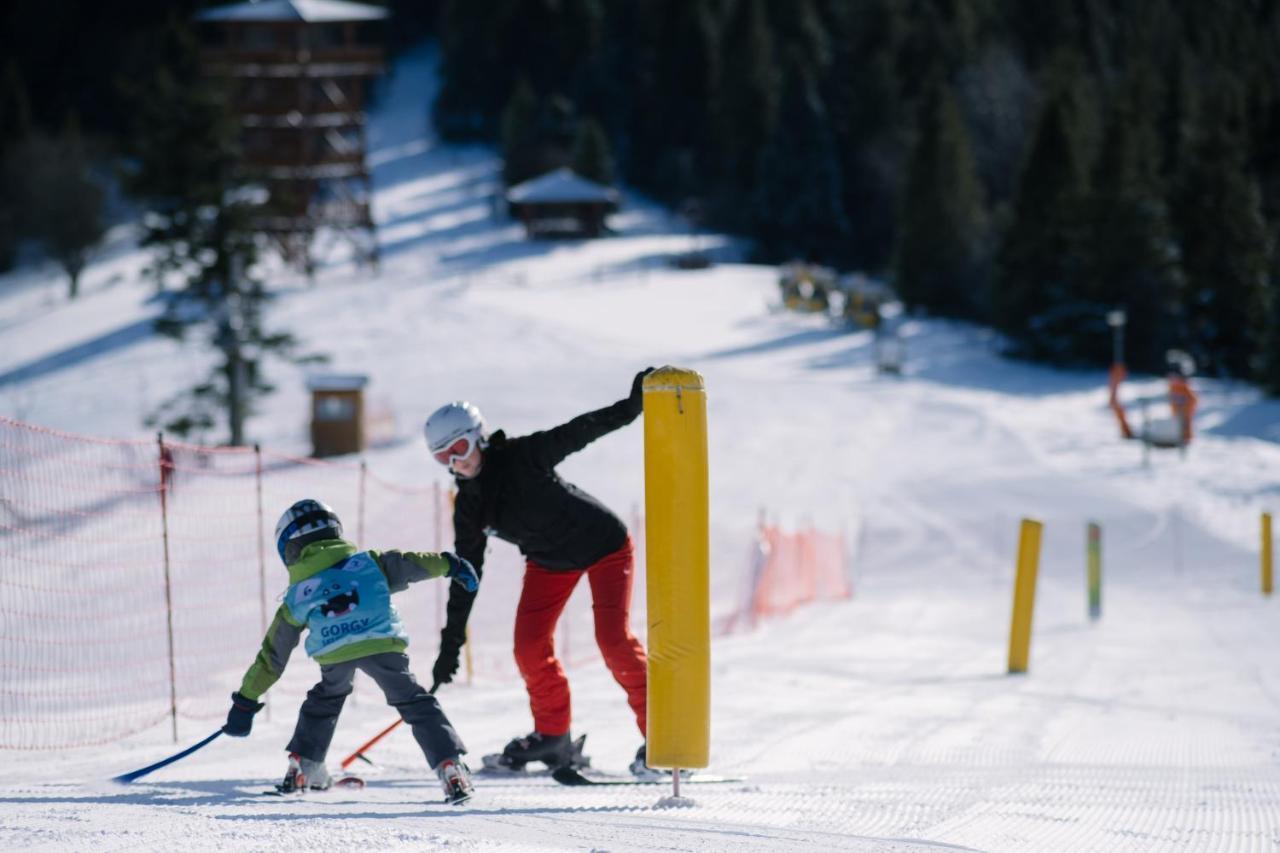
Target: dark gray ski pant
{"type": "Point", "coordinates": [318, 716]}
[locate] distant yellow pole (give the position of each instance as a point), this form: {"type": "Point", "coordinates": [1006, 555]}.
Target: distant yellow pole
{"type": "Point", "coordinates": [1024, 595]}
{"type": "Point", "coordinates": [466, 649]}
{"type": "Point", "coordinates": [677, 569]}
{"type": "Point", "coordinates": [1266, 554]}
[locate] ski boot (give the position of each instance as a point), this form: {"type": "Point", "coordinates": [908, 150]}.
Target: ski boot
{"type": "Point", "coordinates": [456, 779]}
{"type": "Point", "coordinates": [304, 774]}
{"type": "Point", "coordinates": [552, 750]}
{"type": "Point", "coordinates": [641, 770]}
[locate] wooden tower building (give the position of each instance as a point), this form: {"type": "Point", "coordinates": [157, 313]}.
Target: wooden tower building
{"type": "Point", "coordinates": [298, 70]}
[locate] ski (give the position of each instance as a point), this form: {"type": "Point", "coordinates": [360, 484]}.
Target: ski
{"type": "Point", "coordinates": [351, 783]}
{"type": "Point", "coordinates": [501, 772]}
{"type": "Point", "coordinates": [573, 778]}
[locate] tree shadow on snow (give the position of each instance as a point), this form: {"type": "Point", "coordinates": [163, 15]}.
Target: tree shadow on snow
{"type": "Point", "coordinates": [125, 336]}
{"type": "Point", "coordinates": [1260, 420]}
{"type": "Point", "coordinates": [793, 339]}
{"type": "Point", "coordinates": [185, 794]}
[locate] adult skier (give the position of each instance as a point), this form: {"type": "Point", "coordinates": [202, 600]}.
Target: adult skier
{"type": "Point", "coordinates": [509, 487]}
{"type": "Point", "coordinates": [341, 596]}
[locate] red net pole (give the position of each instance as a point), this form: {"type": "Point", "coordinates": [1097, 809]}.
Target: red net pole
{"type": "Point", "coordinates": [262, 551]}
{"type": "Point", "coordinates": [166, 475]}
{"type": "Point", "coordinates": [262, 536]}
{"type": "Point", "coordinates": [364, 473]}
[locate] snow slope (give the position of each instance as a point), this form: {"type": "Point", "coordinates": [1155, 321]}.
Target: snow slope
{"type": "Point", "coordinates": [885, 723]}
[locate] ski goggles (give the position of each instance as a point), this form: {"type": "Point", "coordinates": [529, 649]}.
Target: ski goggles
{"type": "Point", "coordinates": [459, 448]}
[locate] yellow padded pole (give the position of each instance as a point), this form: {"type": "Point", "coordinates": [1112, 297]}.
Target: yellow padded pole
{"type": "Point", "coordinates": [1266, 554]}
{"type": "Point", "coordinates": [677, 568]}
{"type": "Point", "coordinates": [1024, 595]}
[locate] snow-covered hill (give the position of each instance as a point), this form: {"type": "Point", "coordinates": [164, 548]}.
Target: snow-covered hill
{"type": "Point", "coordinates": [882, 723]}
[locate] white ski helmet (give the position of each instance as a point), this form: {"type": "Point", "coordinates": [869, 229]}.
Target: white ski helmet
{"type": "Point", "coordinates": [305, 522]}
{"type": "Point", "coordinates": [453, 421]}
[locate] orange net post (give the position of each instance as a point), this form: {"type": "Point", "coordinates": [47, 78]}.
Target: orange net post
{"type": "Point", "coordinates": [1182, 401]}
{"type": "Point", "coordinates": [1117, 376]}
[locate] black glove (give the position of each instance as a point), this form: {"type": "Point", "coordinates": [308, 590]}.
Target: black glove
{"type": "Point", "coordinates": [446, 665]}
{"type": "Point", "coordinates": [637, 391]}
{"type": "Point", "coordinates": [240, 717]}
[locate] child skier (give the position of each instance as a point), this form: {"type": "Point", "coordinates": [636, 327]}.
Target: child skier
{"type": "Point", "coordinates": [342, 596]}
{"type": "Point", "coordinates": [509, 487]}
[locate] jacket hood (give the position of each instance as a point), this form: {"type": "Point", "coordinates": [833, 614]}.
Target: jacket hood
{"type": "Point", "coordinates": [318, 556]}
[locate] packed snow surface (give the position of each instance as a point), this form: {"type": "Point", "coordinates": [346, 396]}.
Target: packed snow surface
{"type": "Point", "coordinates": [883, 723]}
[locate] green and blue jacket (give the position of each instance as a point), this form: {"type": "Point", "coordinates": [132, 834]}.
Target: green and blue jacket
{"type": "Point", "coordinates": [341, 597]}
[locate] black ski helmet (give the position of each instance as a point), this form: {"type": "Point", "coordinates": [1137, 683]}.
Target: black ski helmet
{"type": "Point", "coordinates": [305, 522]}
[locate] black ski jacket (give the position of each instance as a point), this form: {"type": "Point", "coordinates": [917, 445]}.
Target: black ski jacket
{"type": "Point", "coordinates": [519, 497]}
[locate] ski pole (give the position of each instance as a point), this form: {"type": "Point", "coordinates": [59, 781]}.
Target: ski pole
{"type": "Point", "coordinates": [126, 778]}
{"type": "Point", "coordinates": [359, 753]}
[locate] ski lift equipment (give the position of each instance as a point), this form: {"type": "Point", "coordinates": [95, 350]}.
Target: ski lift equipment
{"type": "Point", "coordinates": [1174, 432]}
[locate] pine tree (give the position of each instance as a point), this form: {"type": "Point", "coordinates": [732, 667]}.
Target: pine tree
{"type": "Point", "coordinates": [797, 203]}
{"type": "Point", "coordinates": [1134, 261]}
{"type": "Point", "coordinates": [942, 37]}
{"type": "Point", "coordinates": [15, 124]}
{"type": "Point", "coordinates": [869, 118]}
{"type": "Point", "coordinates": [750, 104]}
{"type": "Point", "coordinates": [1225, 250]}
{"type": "Point", "coordinates": [1039, 292]}
{"type": "Point", "coordinates": [941, 223]}
{"type": "Point", "coordinates": [687, 91]}
{"type": "Point", "coordinates": [183, 149]}
{"type": "Point", "coordinates": [520, 135]}
{"type": "Point", "coordinates": [15, 108]}
{"type": "Point", "coordinates": [591, 156]}
{"type": "Point", "coordinates": [59, 204]}
{"type": "Point", "coordinates": [200, 216]}
{"type": "Point", "coordinates": [1268, 372]}
{"type": "Point", "coordinates": [474, 81]}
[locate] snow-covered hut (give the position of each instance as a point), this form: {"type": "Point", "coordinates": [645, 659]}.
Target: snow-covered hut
{"type": "Point", "coordinates": [562, 203]}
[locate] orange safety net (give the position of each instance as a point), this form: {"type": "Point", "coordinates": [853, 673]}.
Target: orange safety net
{"type": "Point", "coordinates": [797, 568]}
{"type": "Point", "coordinates": [137, 577]}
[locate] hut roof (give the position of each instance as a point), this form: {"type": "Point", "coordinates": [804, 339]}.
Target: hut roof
{"type": "Point", "coordinates": [310, 11]}
{"type": "Point", "coordinates": [560, 186]}
{"type": "Point", "coordinates": [337, 382]}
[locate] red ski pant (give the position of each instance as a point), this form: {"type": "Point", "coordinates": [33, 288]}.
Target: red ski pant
{"type": "Point", "coordinates": [542, 600]}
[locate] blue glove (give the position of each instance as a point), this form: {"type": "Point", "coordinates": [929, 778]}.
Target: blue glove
{"type": "Point", "coordinates": [240, 717]}
{"type": "Point", "coordinates": [462, 572]}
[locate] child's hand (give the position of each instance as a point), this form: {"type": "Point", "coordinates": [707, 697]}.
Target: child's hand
{"type": "Point", "coordinates": [240, 717]}
{"type": "Point", "coordinates": [462, 572]}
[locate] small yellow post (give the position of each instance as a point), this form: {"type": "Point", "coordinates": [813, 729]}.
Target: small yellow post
{"type": "Point", "coordinates": [1266, 554]}
{"type": "Point", "coordinates": [678, 569]}
{"type": "Point", "coordinates": [466, 649]}
{"type": "Point", "coordinates": [1024, 595]}
{"type": "Point", "coordinates": [1093, 560]}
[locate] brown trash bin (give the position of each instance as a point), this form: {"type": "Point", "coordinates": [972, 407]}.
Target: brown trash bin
{"type": "Point", "coordinates": [337, 414]}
